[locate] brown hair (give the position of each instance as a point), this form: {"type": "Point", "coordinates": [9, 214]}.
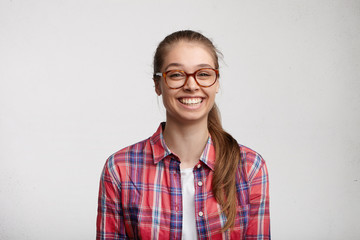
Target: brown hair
{"type": "Point", "coordinates": [226, 147]}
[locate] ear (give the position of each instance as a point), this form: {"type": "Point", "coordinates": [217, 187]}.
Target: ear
{"type": "Point", "coordinates": [157, 87]}
{"type": "Point", "coordinates": [217, 88]}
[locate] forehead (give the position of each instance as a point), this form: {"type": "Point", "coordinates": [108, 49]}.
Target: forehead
{"type": "Point", "coordinates": [189, 54]}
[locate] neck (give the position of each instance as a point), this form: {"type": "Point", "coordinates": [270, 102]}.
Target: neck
{"type": "Point", "coordinates": [187, 141]}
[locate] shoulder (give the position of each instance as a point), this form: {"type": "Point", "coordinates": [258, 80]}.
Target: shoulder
{"type": "Point", "coordinates": [250, 156]}
{"type": "Point", "coordinates": [251, 162]}
{"type": "Point", "coordinates": [132, 152]}
{"type": "Point", "coordinates": [133, 155]}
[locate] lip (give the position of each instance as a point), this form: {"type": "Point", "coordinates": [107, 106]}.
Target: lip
{"type": "Point", "coordinates": [191, 106]}
{"type": "Point", "coordinates": [191, 97]}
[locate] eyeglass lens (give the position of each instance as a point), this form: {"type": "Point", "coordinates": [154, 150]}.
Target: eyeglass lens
{"type": "Point", "coordinates": [204, 77]}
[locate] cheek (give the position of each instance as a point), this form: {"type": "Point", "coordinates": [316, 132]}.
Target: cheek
{"type": "Point", "coordinates": [167, 99]}
{"type": "Point", "coordinates": [212, 94]}
{"type": "Point", "coordinates": [217, 86]}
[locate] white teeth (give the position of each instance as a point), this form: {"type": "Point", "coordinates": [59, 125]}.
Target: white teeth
{"type": "Point", "coordinates": [190, 100]}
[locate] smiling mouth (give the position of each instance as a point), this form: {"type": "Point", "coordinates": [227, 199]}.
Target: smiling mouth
{"type": "Point", "coordinates": [190, 101]}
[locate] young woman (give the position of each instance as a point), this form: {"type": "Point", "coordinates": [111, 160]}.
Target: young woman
{"type": "Point", "coordinates": [191, 179]}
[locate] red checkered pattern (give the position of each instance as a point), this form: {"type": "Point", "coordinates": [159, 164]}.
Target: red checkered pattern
{"type": "Point", "coordinates": [140, 195]}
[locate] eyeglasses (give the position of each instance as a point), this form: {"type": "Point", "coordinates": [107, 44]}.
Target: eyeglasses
{"type": "Point", "coordinates": [204, 77]}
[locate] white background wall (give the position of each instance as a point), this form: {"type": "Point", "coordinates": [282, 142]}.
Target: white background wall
{"type": "Point", "coordinates": [75, 86]}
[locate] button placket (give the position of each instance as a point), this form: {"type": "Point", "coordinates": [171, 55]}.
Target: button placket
{"type": "Point", "coordinates": [199, 188]}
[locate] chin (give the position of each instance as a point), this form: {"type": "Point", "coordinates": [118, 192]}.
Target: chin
{"type": "Point", "coordinates": [191, 118]}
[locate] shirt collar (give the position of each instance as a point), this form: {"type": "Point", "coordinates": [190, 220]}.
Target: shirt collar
{"type": "Point", "coordinates": [160, 150]}
{"type": "Point", "coordinates": [157, 142]}
{"type": "Point", "coordinates": [208, 156]}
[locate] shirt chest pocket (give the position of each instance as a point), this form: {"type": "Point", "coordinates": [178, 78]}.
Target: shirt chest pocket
{"type": "Point", "coordinates": [131, 201]}
{"type": "Point", "coordinates": [143, 215]}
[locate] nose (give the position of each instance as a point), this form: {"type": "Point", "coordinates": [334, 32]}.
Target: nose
{"type": "Point", "coordinates": [191, 84]}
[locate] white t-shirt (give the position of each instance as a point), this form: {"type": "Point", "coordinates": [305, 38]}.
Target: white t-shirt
{"type": "Point", "coordinates": [188, 192]}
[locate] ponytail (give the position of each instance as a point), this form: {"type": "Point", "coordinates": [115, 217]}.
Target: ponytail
{"type": "Point", "coordinates": [226, 164]}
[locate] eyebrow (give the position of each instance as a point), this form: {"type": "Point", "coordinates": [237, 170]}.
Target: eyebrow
{"type": "Point", "coordinates": [181, 65]}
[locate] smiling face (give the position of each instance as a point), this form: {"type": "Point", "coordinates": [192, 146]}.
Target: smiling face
{"type": "Point", "coordinates": [191, 102]}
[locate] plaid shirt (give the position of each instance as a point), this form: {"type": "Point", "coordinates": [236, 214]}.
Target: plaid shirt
{"type": "Point", "coordinates": [140, 195]}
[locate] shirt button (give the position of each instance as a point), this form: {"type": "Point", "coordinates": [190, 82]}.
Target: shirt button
{"type": "Point", "coordinates": [201, 214]}
{"type": "Point", "coordinates": [199, 183]}
{"type": "Point", "coordinates": [199, 165]}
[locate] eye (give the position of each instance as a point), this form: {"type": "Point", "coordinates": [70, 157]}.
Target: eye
{"type": "Point", "coordinates": [204, 74]}
{"type": "Point", "coordinates": [175, 75]}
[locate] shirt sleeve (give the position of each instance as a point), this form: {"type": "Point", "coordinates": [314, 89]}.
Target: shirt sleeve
{"type": "Point", "coordinates": [110, 221]}
{"type": "Point", "coordinates": [259, 220]}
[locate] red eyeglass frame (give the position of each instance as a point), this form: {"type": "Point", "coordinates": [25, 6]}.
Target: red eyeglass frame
{"type": "Point", "coordinates": [187, 76]}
